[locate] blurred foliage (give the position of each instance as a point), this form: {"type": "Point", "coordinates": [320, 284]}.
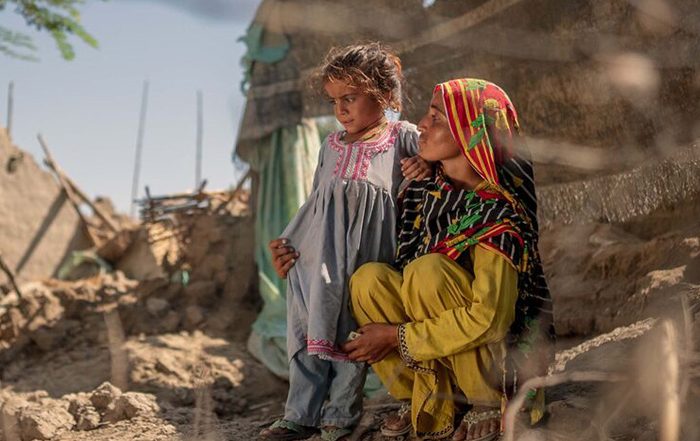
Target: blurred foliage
{"type": "Point", "coordinates": [60, 18]}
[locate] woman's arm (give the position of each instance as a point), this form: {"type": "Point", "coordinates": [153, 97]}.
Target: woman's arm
{"type": "Point", "coordinates": [486, 320]}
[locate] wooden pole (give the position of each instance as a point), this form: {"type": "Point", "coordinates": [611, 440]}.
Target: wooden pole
{"type": "Point", "coordinates": [10, 106]}
{"type": "Point", "coordinates": [74, 193]}
{"type": "Point", "coordinates": [10, 276]}
{"type": "Point", "coordinates": [235, 191]}
{"type": "Point", "coordinates": [70, 194]}
{"type": "Point", "coordinates": [139, 147]}
{"type": "Point", "coordinates": [200, 133]}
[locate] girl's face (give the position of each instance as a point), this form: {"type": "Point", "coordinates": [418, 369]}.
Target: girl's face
{"type": "Point", "coordinates": [355, 110]}
{"type": "Point", "coordinates": [436, 142]}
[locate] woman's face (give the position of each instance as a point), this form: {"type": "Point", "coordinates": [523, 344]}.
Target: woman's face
{"type": "Point", "coordinates": [436, 142]}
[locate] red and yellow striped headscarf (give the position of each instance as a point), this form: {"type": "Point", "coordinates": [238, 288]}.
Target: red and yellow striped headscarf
{"type": "Point", "coordinates": [471, 105]}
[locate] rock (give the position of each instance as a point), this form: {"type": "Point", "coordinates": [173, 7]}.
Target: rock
{"type": "Point", "coordinates": [202, 292]}
{"type": "Point", "coordinates": [170, 322]}
{"type": "Point", "coordinates": [104, 396]}
{"type": "Point", "coordinates": [85, 414]}
{"type": "Point", "coordinates": [169, 365]}
{"type": "Point", "coordinates": [209, 267]}
{"type": "Point", "coordinates": [155, 305]}
{"type": "Point", "coordinates": [10, 406]}
{"type": "Point", "coordinates": [129, 405]}
{"type": "Point", "coordinates": [43, 423]}
{"type": "Point", "coordinates": [193, 316]}
{"type": "Point", "coordinates": [45, 338]}
{"type": "Point", "coordinates": [138, 404]}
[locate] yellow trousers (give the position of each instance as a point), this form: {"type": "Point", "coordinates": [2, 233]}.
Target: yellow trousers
{"type": "Point", "coordinates": [455, 322]}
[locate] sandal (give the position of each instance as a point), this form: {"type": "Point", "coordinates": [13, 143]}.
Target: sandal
{"type": "Point", "coordinates": [334, 433]}
{"type": "Point", "coordinates": [285, 430]}
{"type": "Point", "coordinates": [404, 416]}
{"type": "Point", "coordinates": [474, 417]}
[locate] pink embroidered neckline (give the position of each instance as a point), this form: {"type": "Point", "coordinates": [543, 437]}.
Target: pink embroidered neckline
{"type": "Point", "coordinates": [354, 158]}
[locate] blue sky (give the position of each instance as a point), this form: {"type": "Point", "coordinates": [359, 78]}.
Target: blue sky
{"type": "Point", "coordinates": [87, 109]}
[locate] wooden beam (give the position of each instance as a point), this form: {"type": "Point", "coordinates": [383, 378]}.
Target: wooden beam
{"type": "Point", "coordinates": [10, 275]}
{"type": "Point", "coordinates": [72, 189]}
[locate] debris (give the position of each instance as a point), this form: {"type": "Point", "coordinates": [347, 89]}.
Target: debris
{"type": "Point", "coordinates": [84, 412]}
{"type": "Point", "coordinates": [130, 405]}
{"type": "Point", "coordinates": [104, 396]}
{"type": "Point", "coordinates": [44, 422]}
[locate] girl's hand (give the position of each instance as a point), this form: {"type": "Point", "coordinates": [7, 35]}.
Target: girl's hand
{"type": "Point", "coordinates": [416, 168]}
{"type": "Point", "coordinates": [375, 342]}
{"type": "Point", "coordinates": [283, 256]}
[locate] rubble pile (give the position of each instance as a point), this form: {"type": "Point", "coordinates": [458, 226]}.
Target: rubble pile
{"type": "Point", "coordinates": [37, 416]}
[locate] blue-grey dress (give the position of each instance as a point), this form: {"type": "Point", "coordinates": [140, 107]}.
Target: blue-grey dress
{"type": "Point", "coordinates": [349, 219]}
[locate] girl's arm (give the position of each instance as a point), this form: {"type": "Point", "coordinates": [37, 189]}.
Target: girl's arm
{"type": "Point", "coordinates": [413, 167]}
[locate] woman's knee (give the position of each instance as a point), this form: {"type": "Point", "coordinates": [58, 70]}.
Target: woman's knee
{"type": "Point", "coordinates": [367, 279]}
{"type": "Point", "coordinates": [426, 278]}
{"type": "Point", "coordinates": [428, 269]}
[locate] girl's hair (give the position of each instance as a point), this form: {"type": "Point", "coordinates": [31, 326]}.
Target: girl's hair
{"type": "Point", "coordinates": [372, 67]}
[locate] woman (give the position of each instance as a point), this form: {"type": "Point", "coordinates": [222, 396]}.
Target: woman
{"type": "Point", "coordinates": [469, 306]}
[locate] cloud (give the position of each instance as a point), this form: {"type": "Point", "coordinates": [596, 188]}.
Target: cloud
{"type": "Point", "coordinates": [222, 10]}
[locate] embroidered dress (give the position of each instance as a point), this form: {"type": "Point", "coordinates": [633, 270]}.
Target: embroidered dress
{"type": "Point", "coordinates": [348, 219]}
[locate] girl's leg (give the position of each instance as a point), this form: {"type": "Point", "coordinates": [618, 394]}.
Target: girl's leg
{"type": "Point", "coordinates": [308, 387]}
{"type": "Point", "coordinates": [344, 406]}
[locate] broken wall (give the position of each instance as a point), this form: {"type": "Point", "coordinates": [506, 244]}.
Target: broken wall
{"type": "Point", "coordinates": [38, 226]}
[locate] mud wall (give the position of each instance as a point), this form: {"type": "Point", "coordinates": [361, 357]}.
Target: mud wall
{"type": "Point", "coordinates": [38, 226]}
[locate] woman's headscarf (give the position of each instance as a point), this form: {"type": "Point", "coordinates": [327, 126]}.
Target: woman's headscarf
{"type": "Point", "coordinates": [501, 215]}
{"type": "Point", "coordinates": [484, 122]}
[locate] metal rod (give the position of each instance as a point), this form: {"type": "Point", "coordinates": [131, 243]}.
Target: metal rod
{"type": "Point", "coordinates": [139, 146]}
{"type": "Point", "coordinates": [10, 106]}
{"type": "Point", "coordinates": [200, 132]}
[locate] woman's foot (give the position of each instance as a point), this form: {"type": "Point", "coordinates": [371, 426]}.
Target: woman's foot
{"type": "Point", "coordinates": [398, 423]}
{"type": "Point", "coordinates": [284, 430]}
{"type": "Point", "coordinates": [479, 424]}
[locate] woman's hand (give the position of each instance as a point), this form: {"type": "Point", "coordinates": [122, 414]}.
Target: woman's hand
{"type": "Point", "coordinates": [375, 342]}
{"type": "Point", "coordinates": [283, 256]}
{"type": "Point", "coordinates": [416, 168]}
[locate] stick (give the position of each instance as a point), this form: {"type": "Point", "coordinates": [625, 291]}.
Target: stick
{"type": "Point", "coordinates": [10, 275]}
{"type": "Point", "coordinates": [10, 105]}
{"type": "Point", "coordinates": [66, 182]}
{"type": "Point", "coordinates": [200, 133]}
{"type": "Point", "coordinates": [537, 382]}
{"type": "Point", "coordinates": [72, 197]}
{"type": "Point", "coordinates": [139, 146]}
{"type": "Point", "coordinates": [223, 206]}
{"type": "Point", "coordinates": [670, 414]}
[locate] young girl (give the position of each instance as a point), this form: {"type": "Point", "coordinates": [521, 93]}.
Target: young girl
{"type": "Point", "coordinates": [349, 219]}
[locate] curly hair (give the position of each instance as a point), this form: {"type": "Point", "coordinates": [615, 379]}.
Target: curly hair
{"type": "Point", "coordinates": [371, 67]}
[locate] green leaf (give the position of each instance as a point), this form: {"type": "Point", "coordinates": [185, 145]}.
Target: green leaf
{"type": "Point", "coordinates": [478, 121]}
{"type": "Point", "coordinates": [60, 18]}
{"type": "Point", "coordinates": [476, 138]}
